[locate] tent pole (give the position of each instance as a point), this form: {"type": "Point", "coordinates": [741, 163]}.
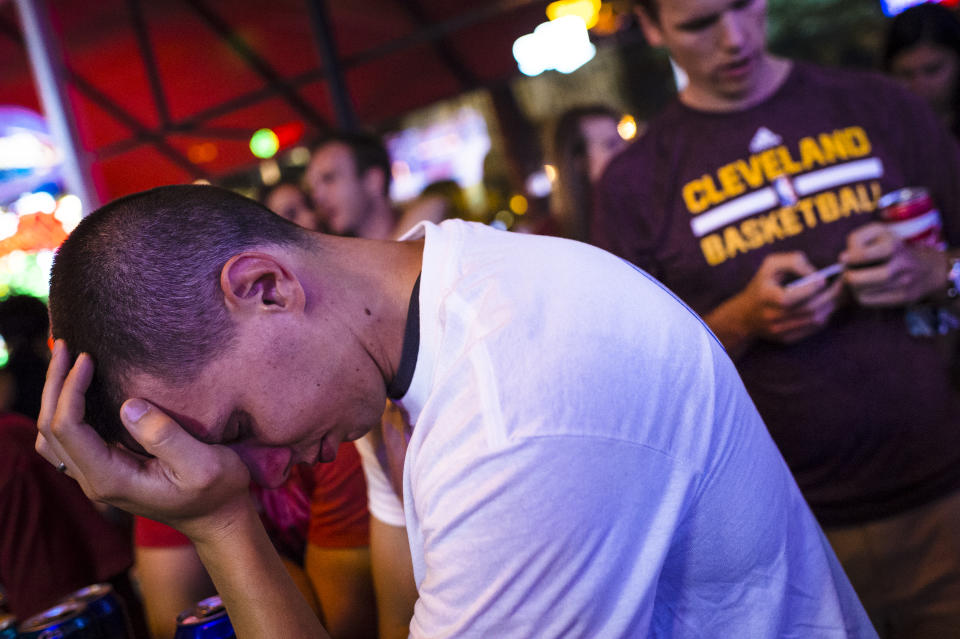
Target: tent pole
{"type": "Point", "coordinates": [47, 63]}
{"type": "Point", "coordinates": [342, 107]}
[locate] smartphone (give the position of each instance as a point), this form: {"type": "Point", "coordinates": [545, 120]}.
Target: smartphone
{"type": "Point", "coordinates": [823, 274]}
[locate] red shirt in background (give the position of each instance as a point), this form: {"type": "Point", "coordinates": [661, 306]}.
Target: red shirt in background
{"type": "Point", "coordinates": [53, 540]}
{"type": "Point", "coordinates": [325, 505]}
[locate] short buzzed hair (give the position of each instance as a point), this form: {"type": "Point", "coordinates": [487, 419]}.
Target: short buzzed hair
{"type": "Point", "coordinates": [368, 152]}
{"type": "Point", "coordinates": [137, 286]}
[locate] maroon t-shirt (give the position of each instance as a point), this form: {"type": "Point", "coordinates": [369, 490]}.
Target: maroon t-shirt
{"type": "Point", "coordinates": [52, 539]}
{"type": "Point", "coordinates": [863, 413]}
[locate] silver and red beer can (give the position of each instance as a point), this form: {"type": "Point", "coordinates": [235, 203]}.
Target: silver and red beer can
{"type": "Point", "coordinates": [911, 214]}
{"type": "Point", "coordinates": [67, 620]}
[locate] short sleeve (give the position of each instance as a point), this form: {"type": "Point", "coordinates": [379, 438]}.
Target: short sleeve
{"type": "Point", "coordinates": [383, 502]}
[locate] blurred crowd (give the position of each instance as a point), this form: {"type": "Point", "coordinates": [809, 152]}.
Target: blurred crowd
{"type": "Point", "coordinates": [864, 410]}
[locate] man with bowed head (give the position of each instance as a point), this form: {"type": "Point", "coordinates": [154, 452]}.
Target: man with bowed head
{"type": "Point", "coordinates": [214, 340]}
{"type": "Point", "coordinates": [763, 170]}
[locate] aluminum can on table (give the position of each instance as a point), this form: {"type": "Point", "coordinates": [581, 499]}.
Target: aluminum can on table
{"type": "Point", "coordinates": [8, 626]}
{"type": "Point", "coordinates": [105, 609]}
{"type": "Point", "coordinates": [911, 214]}
{"type": "Point", "coordinates": [67, 620]}
{"type": "Point", "coordinates": [207, 620]}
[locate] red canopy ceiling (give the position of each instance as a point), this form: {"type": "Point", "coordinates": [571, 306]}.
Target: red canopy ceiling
{"type": "Point", "coordinates": [148, 81]}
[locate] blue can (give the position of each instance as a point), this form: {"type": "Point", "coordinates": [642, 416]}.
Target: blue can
{"type": "Point", "coordinates": [8, 627]}
{"type": "Point", "coordinates": [105, 609]}
{"type": "Point", "coordinates": [207, 620]}
{"type": "Point", "coordinates": [66, 620]}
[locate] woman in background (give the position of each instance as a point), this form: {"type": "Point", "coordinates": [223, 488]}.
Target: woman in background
{"type": "Point", "coordinates": [584, 141]}
{"type": "Point", "coordinates": [922, 51]}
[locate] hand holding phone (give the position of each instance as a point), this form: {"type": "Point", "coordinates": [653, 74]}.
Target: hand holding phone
{"type": "Point", "coordinates": [823, 274]}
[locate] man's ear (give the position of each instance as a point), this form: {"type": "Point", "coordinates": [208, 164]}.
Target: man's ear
{"type": "Point", "coordinates": [257, 281]}
{"type": "Point", "coordinates": [649, 26]}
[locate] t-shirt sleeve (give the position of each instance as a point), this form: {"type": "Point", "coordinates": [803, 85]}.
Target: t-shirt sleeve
{"type": "Point", "coordinates": [338, 512]}
{"type": "Point", "coordinates": [383, 502]}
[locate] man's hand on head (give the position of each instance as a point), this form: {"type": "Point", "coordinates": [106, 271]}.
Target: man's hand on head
{"type": "Point", "coordinates": [195, 487]}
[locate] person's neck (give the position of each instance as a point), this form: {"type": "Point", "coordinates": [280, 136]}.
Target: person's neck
{"type": "Point", "coordinates": [379, 224]}
{"type": "Point", "coordinates": [771, 75]}
{"type": "Point", "coordinates": [372, 281]}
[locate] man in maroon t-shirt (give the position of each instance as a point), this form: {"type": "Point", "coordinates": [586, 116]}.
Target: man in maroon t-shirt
{"type": "Point", "coordinates": [764, 170]}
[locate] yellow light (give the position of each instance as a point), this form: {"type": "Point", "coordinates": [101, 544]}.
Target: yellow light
{"type": "Point", "coordinates": [627, 127]}
{"type": "Point", "coordinates": [551, 172]}
{"type": "Point", "coordinates": [299, 156]}
{"type": "Point", "coordinates": [587, 10]}
{"type": "Point", "coordinates": [269, 172]}
{"type": "Point", "coordinates": [518, 204]}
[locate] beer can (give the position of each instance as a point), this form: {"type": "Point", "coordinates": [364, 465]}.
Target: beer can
{"type": "Point", "coordinates": [207, 620]}
{"type": "Point", "coordinates": [67, 620]}
{"type": "Point", "coordinates": [911, 214]}
{"type": "Point", "coordinates": [8, 627]}
{"type": "Point", "coordinates": [105, 609]}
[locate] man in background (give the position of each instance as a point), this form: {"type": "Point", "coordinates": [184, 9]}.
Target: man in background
{"type": "Point", "coordinates": [764, 170]}
{"type": "Point", "coordinates": [349, 179]}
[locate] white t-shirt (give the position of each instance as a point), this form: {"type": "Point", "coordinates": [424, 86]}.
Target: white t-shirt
{"type": "Point", "coordinates": [585, 461]}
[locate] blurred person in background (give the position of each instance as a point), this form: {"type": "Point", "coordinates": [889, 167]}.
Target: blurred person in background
{"type": "Point", "coordinates": [922, 51]}
{"type": "Point", "coordinates": [53, 540]}
{"type": "Point", "coordinates": [349, 180]}
{"type": "Point", "coordinates": [584, 141]}
{"type": "Point", "coordinates": [438, 201]}
{"type": "Point", "coordinates": [25, 329]}
{"type": "Point", "coordinates": [763, 170]}
{"type": "Point", "coordinates": [287, 199]}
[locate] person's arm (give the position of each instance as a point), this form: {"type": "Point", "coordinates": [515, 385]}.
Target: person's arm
{"type": "Point", "coordinates": [766, 309]}
{"type": "Point", "coordinates": [392, 579]}
{"type": "Point", "coordinates": [259, 595]}
{"type": "Point", "coordinates": [197, 488]}
{"type": "Point", "coordinates": [171, 579]}
{"type": "Point", "coordinates": [898, 274]}
{"type": "Point", "coordinates": [341, 581]}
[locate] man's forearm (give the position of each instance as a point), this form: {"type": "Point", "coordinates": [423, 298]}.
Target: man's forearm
{"type": "Point", "coordinates": [259, 595]}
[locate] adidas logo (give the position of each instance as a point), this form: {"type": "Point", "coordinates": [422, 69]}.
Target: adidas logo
{"type": "Point", "coordinates": [764, 139]}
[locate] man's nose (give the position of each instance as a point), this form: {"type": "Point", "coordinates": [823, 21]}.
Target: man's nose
{"type": "Point", "coordinates": [732, 36]}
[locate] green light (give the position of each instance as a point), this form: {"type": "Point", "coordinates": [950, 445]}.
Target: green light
{"type": "Point", "coordinates": [264, 144]}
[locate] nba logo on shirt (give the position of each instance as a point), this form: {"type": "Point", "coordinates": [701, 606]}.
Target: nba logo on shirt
{"type": "Point", "coordinates": [785, 191]}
